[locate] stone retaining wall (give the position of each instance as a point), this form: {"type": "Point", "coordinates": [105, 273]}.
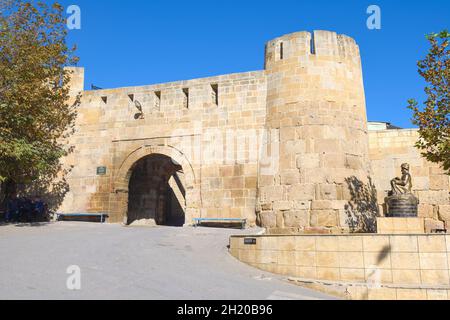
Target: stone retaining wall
{"type": "Point", "coordinates": [413, 264]}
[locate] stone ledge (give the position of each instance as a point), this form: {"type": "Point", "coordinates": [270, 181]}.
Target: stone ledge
{"type": "Point", "coordinates": [400, 226]}
{"type": "Point", "coordinates": [368, 291]}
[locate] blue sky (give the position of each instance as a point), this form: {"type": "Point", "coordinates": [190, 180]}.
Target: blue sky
{"type": "Point", "coordinates": [139, 42]}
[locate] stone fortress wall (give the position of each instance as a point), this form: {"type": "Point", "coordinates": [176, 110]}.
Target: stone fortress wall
{"type": "Point", "coordinates": [109, 135]}
{"type": "Point", "coordinates": [306, 110]}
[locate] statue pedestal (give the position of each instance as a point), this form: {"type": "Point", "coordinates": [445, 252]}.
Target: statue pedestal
{"type": "Point", "coordinates": [402, 216]}
{"type": "Point", "coordinates": [402, 206]}
{"type": "Point", "coordinates": [400, 226]}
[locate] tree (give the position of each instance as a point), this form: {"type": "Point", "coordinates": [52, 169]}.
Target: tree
{"type": "Point", "coordinates": [433, 119]}
{"type": "Point", "coordinates": [35, 114]}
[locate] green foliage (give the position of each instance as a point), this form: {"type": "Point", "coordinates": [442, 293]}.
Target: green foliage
{"type": "Point", "coordinates": [433, 119]}
{"type": "Point", "coordinates": [35, 114]}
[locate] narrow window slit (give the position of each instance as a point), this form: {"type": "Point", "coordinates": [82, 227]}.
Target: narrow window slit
{"type": "Point", "coordinates": [158, 100]}
{"type": "Point", "coordinates": [281, 51]}
{"type": "Point", "coordinates": [313, 44]}
{"type": "Point", "coordinates": [215, 94]}
{"type": "Point", "coordinates": [186, 97]}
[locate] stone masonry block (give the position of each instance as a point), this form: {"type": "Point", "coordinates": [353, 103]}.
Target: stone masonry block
{"type": "Point", "coordinates": [439, 182]}
{"type": "Point", "coordinates": [290, 177]}
{"type": "Point", "coordinates": [268, 219]}
{"type": "Point", "coordinates": [302, 192]}
{"type": "Point", "coordinates": [302, 204]}
{"type": "Point", "coordinates": [296, 219]}
{"type": "Point", "coordinates": [400, 226]}
{"type": "Point", "coordinates": [269, 194]}
{"type": "Point", "coordinates": [428, 211]}
{"type": "Point", "coordinates": [444, 212]}
{"type": "Point", "coordinates": [431, 225]}
{"type": "Point", "coordinates": [328, 204]}
{"type": "Point", "coordinates": [324, 218]}
{"type": "Point", "coordinates": [434, 197]}
{"type": "Point", "coordinates": [282, 205]}
{"type": "Point", "coordinates": [308, 161]}
{"type": "Point", "coordinates": [326, 192]}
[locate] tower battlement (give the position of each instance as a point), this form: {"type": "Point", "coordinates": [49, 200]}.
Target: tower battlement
{"type": "Point", "coordinates": [304, 45]}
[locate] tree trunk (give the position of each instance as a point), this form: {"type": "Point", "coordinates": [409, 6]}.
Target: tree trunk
{"type": "Point", "coordinates": [7, 190]}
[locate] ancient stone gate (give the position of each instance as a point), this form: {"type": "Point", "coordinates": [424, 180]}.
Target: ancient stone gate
{"type": "Point", "coordinates": [287, 147]}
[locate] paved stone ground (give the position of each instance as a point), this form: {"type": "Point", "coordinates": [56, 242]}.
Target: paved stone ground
{"type": "Point", "coordinates": [131, 263]}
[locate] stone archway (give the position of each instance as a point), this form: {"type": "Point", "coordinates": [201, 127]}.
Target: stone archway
{"type": "Point", "coordinates": [119, 202]}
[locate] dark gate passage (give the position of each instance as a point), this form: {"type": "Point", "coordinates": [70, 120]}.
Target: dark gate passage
{"type": "Point", "coordinates": [157, 192]}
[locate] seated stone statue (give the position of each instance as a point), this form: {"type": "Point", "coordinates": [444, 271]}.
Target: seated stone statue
{"type": "Point", "coordinates": [402, 185]}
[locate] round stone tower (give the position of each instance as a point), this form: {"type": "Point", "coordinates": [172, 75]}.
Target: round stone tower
{"type": "Point", "coordinates": [318, 139]}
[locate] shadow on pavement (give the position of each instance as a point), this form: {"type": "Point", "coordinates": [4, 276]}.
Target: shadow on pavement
{"type": "Point", "coordinates": [26, 225]}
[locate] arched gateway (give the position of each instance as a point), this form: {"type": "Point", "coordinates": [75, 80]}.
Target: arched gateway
{"type": "Point", "coordinates": [155, 182]}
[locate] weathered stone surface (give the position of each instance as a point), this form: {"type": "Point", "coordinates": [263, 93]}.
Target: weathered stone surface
{"type": "Point", "coordinates": [444, 212]}
{"type": "Point", "coordinates": [326, 192]}
{"type": "Point", "coordinates": [302, 192]}
{"type": "Point", "coordinates": [434, 197]}
{"type": "Point", "coordinates": [296, 219]}
{"type": "Point", "coordinates": [308, 161]}
{"type": "Point", "coordinates": [324, 218]}
{"type": "Point", "coordinates": [439, 182]}
{"type": "Point", "coordinates": [268, 219]}
{"type": "Point", "coordinates": [428, 211]}
{"type": "Point", "coordinates": [400, 225]}
{"type": "Point", "coordinates": [282, 205]}
{"type": "Point", "coordinates": [144, 223]}
{"type": "Point", "coordinates": [433, 225]}
{"type": "Point", "coordinates": [302, 205]}
{"type": "Point", "coordinates": [290, 177]}
{"type": "Point", "coordinates": [329, 204]}
{"type": "Point", "coordinates": [266, 206]}
{"type": "Point", "coordinates": [272, 194]}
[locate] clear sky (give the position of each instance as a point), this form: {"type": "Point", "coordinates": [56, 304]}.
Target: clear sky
{"type": "Point", "coordinates": [140, 42]}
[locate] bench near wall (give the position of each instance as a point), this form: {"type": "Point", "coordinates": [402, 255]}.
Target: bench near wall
{"type": "Point", "coordinates": [407, 266]}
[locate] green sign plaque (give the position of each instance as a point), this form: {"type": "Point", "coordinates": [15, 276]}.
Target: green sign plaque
{"type": "Point", "coordinates": [101, 171]}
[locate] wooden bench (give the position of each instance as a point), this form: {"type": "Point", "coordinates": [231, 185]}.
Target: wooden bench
{"type": "Point", "coordinates": [200, 221]}
{"type": "Point", "coordinates": [83, 217]}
